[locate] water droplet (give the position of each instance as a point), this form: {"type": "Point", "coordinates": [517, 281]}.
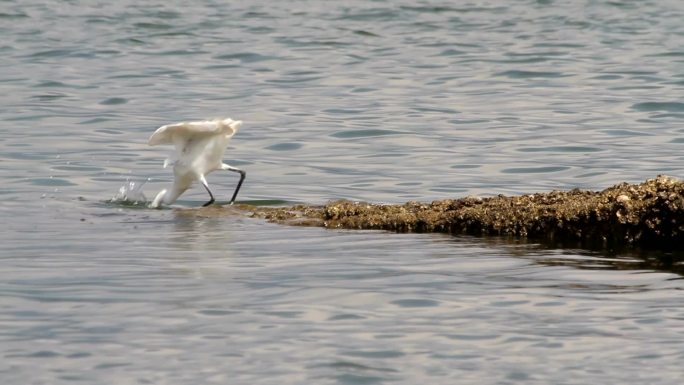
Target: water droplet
{"type": "Point", "coordinates": [130, 192]}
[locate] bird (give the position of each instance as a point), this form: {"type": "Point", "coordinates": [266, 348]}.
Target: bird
{"type": "Point", "coordinates": [199, 148]}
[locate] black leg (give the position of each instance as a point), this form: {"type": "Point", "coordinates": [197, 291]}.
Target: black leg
{"type": "Point", "coordinates": [206, 186]}
{"type": "Point", "coordinates": [242, 178]}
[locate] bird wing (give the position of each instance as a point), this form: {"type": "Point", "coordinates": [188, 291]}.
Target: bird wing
{"type": "Point", "coordinates": [180, 133]}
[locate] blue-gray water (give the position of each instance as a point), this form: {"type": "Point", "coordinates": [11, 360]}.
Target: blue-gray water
{"type": "Point", "coordinates": [384, 101]}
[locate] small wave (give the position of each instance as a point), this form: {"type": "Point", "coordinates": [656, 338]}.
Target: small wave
{"type": "Point", "coordinates": [288, 146]}
{"type": "Point", "coordinates": [518, 74]}
{"type": "Point", "coordinates": [534, 170]}
{"type": "Point", "coordinates": [659, 106]}
{"type": "Point", "coordinates": [352, 134]}
{"type": "Point", "coordinates": [113, 101]}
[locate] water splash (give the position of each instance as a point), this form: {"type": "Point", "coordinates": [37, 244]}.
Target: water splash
{"type": "Point", "coordinates": [131, 193]}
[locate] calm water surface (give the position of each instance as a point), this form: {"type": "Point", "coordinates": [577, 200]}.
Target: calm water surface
{"type": "Point", "coordinates": [384, 101]}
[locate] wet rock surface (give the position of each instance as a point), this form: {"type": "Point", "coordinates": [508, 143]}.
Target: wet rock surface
{"type": "Point", "coordinates": [649, 214]}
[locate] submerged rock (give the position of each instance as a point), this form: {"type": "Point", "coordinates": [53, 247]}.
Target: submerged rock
{"type": "Point", "coordinates": [649, 214]}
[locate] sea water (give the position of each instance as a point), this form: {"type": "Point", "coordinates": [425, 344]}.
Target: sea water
{"type": "Point", "coordinates": [380, 101]}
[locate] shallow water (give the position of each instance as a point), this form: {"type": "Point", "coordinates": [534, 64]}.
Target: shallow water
{"type": "Point", "coordinates": [370, 100]}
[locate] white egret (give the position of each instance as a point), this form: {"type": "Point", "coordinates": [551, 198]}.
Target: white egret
{"type": "Point", "coordinates": [199, 151]}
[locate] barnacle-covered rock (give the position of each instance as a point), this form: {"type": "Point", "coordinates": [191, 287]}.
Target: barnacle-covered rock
{"type": "Point", "coordinates": [649, 214]}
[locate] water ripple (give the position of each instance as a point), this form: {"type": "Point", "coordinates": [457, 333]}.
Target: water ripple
{"type": "Point", "coordinates": [365, 100]}
{"type": "Point", "coordinates": [659, 106]}
{"type": "Point", "coordinates": [519, 74]}
{"type": "Point", "coordinates": [353, 134]}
